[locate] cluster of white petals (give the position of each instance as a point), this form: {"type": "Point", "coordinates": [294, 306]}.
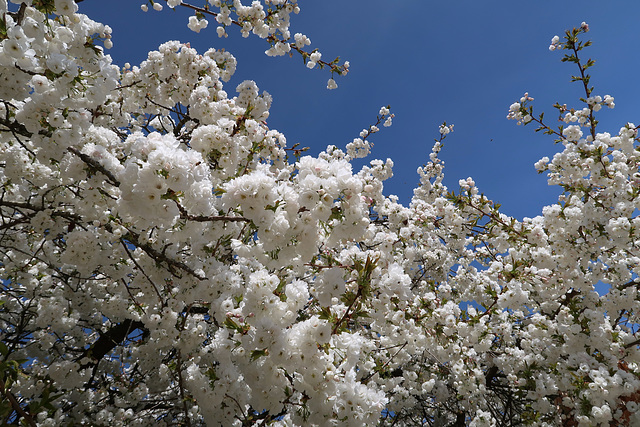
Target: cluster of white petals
{"type": "Point", "coordinates": [268, 19]}
{"type": "Point", "coordinates": [167, 260]}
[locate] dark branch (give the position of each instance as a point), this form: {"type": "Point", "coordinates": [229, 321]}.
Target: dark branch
{"type": "Point", "coordinates": [133, 238]}
{"type": "Point", "coordinates": [95, 165]}
{"type": "Point", "coordinates": [203, 218]}
{"type": "Point", "coordinates": [112, 338]}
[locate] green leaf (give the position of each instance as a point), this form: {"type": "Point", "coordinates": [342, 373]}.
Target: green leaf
{"type": "Point", "coordinates": [274, 207]}
{"type": "Point", "coordinates": [256, 354]}
{"type": "Point", "coordinates": [172, 195]}
{"type": "Point", "coordinates": [3, 29]}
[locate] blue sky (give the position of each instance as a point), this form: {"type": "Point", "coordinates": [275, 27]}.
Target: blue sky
{"type": "Point", "coordinates": [460, 61]}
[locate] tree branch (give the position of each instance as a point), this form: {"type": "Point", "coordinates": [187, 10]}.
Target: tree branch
{"type": "Point", "coordinates": [204, 218]}
{"type": "Point", "coordinates": [16, 405]}
{"type": "Point", "coordinates": [134, 238]}
{"type": "Point", "coordinates": [95, 165]}
{"type": "Point", "coordinates": [112, 338]}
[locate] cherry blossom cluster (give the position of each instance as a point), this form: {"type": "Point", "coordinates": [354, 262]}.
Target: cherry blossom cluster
{"type": "Point", "coordinates": [361, 147]}
{"type": "Point", "coordinates": [589, 236]}
{"type": "Point", "coordinates": [518, 110]}
{"type": "Point", "coordinates": [166, 259]}
{"type": "Point", "coordinates": [268, 19]}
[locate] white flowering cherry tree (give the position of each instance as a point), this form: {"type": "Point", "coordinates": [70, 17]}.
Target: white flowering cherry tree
{"type": "Point", "coordinates": [167, 260]}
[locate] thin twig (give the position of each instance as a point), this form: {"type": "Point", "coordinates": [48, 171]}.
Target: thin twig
{"type": "Point", "coordinates": [205, 218]}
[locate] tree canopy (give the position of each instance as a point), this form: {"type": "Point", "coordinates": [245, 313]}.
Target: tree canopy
{"type": "Point", "coordinates": [167, 259]}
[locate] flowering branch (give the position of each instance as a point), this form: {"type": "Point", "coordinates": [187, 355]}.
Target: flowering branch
{"type": "Point", "coordinates": [15, 404]}
{"type": "Point", "coordinates": [134, 238]}
{"type": "Point", "coordinates": [206, 218]}
{"type": "Point", "coordinates": [260, 22]}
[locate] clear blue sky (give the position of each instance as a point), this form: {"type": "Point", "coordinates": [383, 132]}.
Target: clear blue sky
{"type": "Point", "coordinates": [460, 61]}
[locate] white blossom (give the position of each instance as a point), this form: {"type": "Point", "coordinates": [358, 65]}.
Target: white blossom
{"type": "Point", "coordinates": [165, 259]}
